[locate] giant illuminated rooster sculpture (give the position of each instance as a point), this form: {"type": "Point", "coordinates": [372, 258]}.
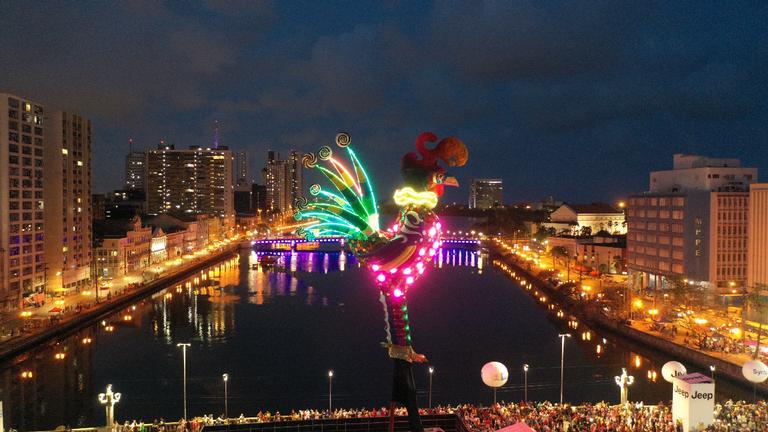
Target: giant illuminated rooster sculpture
{"type": "Point", "coordinates": [397, 255]}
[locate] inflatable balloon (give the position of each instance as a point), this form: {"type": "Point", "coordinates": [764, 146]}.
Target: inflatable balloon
{"type": "Point", "coordinates": [494, 374]}
{"type": "Point", "coordinates": [672, 369]}
{"type": "Point", "coordinates": [755, 371]}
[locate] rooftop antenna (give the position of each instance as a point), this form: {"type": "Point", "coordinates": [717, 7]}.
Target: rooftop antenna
{"type": "Point", "coordinates": [215, 134]}
{"type": "Point", "coordinates": [130, 145]}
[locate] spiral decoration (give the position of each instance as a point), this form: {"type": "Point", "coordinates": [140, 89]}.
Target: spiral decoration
{"type": "Point", "coordinates": [343, 139]}
{"type": "Point", "coordinates": [300, 203]}
{"type": "Point", "coordinates": [324, 153]}
{"type": "Point", "coordinates": [315, 189]}
{"type": "Point", "coordinates": [301, 232]}
{"type": "Point", "coordinates": [309, 160]}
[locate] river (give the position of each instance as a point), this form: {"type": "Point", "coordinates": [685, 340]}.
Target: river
{"type": "Point", "coordinates": [277, 332]}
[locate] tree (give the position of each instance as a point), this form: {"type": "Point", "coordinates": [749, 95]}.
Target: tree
{"type": "Point", "coordinates": [560, 252]}
{"type": "Point", "coordinates": [541, 234]}
{"type": "Point", "coordinates": [755, 299]}
{"type": "Point", "coordinates": [586, 231]}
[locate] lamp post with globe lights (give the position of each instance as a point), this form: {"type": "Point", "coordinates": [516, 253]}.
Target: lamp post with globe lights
{"type": "Point", "coordinates": [431, 371]}
{"type": "Point", "coordinates": [525, 382]}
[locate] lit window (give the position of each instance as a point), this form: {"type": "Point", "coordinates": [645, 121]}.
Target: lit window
{"type": "Point", "coordinates": [79, 163]}
{"type": "Point", "coordinates": [64, 151]}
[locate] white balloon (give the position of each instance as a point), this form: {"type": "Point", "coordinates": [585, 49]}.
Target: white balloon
{"type": "Point", "coordinates": [755, 371]}
{"type": "Point", "coordinates": [672, 369]}
{"type": "Point", "coordinates": [494, 374]}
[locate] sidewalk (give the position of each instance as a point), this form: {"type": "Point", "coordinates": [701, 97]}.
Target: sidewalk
{"type": "Point", "coordinates": [29, 321]}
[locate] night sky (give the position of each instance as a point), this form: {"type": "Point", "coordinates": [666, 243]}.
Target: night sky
{"type": "Point", "coordinates": [579, 100]}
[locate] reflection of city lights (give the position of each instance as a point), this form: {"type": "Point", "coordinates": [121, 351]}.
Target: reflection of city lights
{"type": "Point", "coordinates": [86, 340]}
{"type": "Point", "coordinates": [26, 374]}
{"type": "Point", "coordinates": [59, 356]}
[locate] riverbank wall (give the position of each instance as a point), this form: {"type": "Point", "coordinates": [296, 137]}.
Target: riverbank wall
{"type": "Point", "coordinates": [74, 323]}
{"type": "Point", "coordinates": [596, 319]}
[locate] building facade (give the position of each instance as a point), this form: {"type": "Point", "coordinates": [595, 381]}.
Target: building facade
{"type": "Point", "coordinates": [67, 195]}
{"type": "Point", "coordinates": [193, 181]}
{"type": "Point", "coordinates": [485, 193]}
{"type": "Point", "coordinates": [284, 181]}
{"type": "Point", "coordinates": [136, 171]}
{"type": "Point", "coordinates": [240, 169]}
{"type": "Point", "coordinates": [692, 224]}
{"type": "Point", "coordinates": [757, 236]}
{"type": "Point", "coordinates": [22, 233]}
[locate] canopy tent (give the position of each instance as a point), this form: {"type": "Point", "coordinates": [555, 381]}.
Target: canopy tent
{"type": "Point", "coordinates": [517, 427]}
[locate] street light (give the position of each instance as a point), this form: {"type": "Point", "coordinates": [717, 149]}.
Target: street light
{"type": "Point", "coordinates": [562, 337]}
{"type": "Point", "coordinates": [712, 372]}
{"type": "Point", "coordinates": [225, 377]}
{"type": "Point", "coordinates": [184, 347]}
{"type": "Point", "coordinates": [330, 391]}
{"type": "Point", "coordinates": [525, 379]}
{"type": "Point", "coordinates": [431, 371]}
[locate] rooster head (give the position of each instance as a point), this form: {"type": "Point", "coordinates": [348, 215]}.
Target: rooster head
{"type": "Point", "coordinates": [422, 171]}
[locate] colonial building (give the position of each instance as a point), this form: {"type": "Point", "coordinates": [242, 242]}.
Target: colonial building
{"type": "Point", "coordinates": [587, 219]}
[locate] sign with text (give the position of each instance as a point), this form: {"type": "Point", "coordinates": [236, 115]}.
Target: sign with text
{"type": "Point", "coordinates": [693, 400]}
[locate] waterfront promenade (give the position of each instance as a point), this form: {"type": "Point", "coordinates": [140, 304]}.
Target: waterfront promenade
{"type": "Point", "coordinates": [76, 310]}
{"type": "Point", "coordinates": [676, 346]}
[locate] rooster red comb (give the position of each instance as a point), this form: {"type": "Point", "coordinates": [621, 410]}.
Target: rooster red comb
{"type": "Point", "coordinates": [418, 171]}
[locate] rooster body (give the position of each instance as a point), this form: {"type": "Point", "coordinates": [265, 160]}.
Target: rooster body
{"type": "Point", "coordinates": [396, 256]}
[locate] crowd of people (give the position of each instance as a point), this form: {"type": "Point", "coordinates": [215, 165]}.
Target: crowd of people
{"type": "Point", "coordinates": [602, 417]}
{"type": "Point", "coordinates": [539, 416]}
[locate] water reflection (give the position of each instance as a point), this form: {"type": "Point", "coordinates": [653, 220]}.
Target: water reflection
{"type": "Point", "coordinates": [134, 348]}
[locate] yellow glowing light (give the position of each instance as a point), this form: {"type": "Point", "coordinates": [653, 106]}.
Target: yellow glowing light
{"type": "Point", "coordinates": [700, 321]}
{"type": "Point", "coordinates": [736, 331]}
{"type": "Point", "coordinates": [408, 196]}
{"type": "Point", "coordinates": [638, 303]}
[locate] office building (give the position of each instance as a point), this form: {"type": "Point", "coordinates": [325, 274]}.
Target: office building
{"type": "Point", "coordinates": [485, 193]}
{"type": "Point", "coordinates": [67, 195]}
{"type": "Point", "coordinates": [284, 181]}
{"type": "Point", "coordinates": [22, 257]}
{"type": "Point", "coordinates": [192, 181]}
{"type": "Point", "coordinates": [692, 224]}
{"type": "Point", "coordinates": [258, 198]}
{"type": "Point", "coordinates": [757, 237]}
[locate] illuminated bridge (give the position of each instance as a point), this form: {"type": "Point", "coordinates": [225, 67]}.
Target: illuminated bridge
{"type": "Point", "coordinates": [332, 244]}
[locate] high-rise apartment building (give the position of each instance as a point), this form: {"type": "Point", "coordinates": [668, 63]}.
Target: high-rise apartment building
{"type": "Point", "coordinates": [240, 169]}
{"type": "Point", "coordinates": [22, 250]}
{"type": "Point", "coordinates": [284, 180]}
{"type": "Point", "coordinates": [485, 193]}
{"type": "Point", "coordinates": [67, 195]}
{"type": "Point", "coordinates": [757, 235]}
{"type": "Point", "coordinates": [135, 170]}
{"type": "Point", "coordinates": [692, 224]}
{"type": "Point", "coordinates": [192, 181]}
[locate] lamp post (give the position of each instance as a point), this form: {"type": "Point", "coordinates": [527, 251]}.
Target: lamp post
{"type": "Point", "coordinates": [712, 372]}
{"type": "Point", "coordinates": [525, 382]}
{"type": "Point", "coordinates": [109, 399]}
{"type": "Point", "coordinates": [330, 391]}
{"type": "Point", "coordinates": [562, 337]}
{"type": "Point", "coordinates": [431, 371]}
{"type": "Point", "coordinates": [624, 381]}
{"type": "Point", "coordinates": [225, 377]}
{"type": "Point", "coordinates": [184, 347]}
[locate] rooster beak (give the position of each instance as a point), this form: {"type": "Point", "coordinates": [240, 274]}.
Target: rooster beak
{"type": "Point", "coordinates": [451, 181]}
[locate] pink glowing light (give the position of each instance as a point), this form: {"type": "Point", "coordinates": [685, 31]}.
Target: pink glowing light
{"type": "Point", "coordinates": [419, 265]}
{"type": "Point", "coordinates": [394, 270]}
{"type": "Point", "coordinates": [422, 251]}
{"type": "Point", "coordinates": [438, 225]}
{"type": "Point", "coordinates": [432, 232]}
{"type": "Point", "coordinates": [375, 267]}
{"type": "Point", "coordinates": [435, 244]}
{"type": "Point", "coordinates": [407, 271]}
{"type": "Point", "coordinates": [421, 270]}
{"type": "Point", "coordinates": [381, 277]}
{"type": "Point", "coordinates": [409, 280]}
{"type": "Point", "coordinates": [398, 292]}
{"type": "Point", "coordinates": [431, 251]}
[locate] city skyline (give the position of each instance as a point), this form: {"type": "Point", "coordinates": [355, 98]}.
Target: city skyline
{"type": "Point", "coordinates": [557, 92]}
